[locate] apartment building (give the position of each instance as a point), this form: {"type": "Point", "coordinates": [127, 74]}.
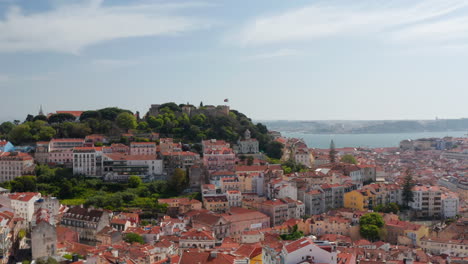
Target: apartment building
{"type": "Point", "coordinates": [87, 161]}
{"type": "Point", "coordinates": [143, 148]}
{"type": "Point", "coordinates": [15, 164]}
{"type": "Point", "coordinates": [280, 210]}
{"type": "Point", "coordinates": [427, 201]}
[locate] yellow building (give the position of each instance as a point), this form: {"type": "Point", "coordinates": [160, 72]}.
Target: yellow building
{"type": "Point", "coordinates": [256, 259]}
{"type": "Point", "coordinates": [361, 200]}
{"type": "Point", "coordinates": [216, 203]}
{"type": "Point", "coordinates": [251, 251]}
{"type": "Point", "coordinates": [405, 233]}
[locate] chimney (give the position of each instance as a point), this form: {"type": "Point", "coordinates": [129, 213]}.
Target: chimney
{"type": "Point", "coordinates": [115, 253]}
{"type": "Point", "coordinates": [213, 254]}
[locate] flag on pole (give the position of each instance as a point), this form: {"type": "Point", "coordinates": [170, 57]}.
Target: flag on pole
{"type": "Point", "coordinates": [226, 100]}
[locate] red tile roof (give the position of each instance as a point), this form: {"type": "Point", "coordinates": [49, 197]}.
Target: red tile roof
{"type": "Point", "coordinates": [74, 113]}
{"type": "Point", "coordinates": [24, 197]}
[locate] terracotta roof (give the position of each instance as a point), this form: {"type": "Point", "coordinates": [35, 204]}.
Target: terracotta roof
{"type": "Point", "coordinates": [15, 156]}
{"type": "Point", "coordinates": [23, 197]}
{"type": "Point", "coordinates": [74, 113]}
{"type": "Point", "coordinates": [298, 244]}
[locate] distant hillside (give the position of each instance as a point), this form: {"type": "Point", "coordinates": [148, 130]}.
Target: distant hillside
{"type": "Point", "coordinates": [363, 127]}
{"type": "Point", "coordinates": [184, 123]}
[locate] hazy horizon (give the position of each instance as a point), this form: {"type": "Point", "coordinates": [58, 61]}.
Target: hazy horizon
{"type": "Point", "coordinates": [274, 60]}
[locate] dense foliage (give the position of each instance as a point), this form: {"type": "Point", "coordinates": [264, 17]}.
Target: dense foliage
{"type": "Point", "coordinates": [291, 166]}
{"type": "Point", "coordinates": [170, 122]}
{"type": "Point", "coordinates": [371, 225]}
{"type": "Point", "coordinates": [293, 235]}
{"type": "Point", "coordinates": [388, 208]}
{"type": "Point", "coordinates": [407, 193]}
{"type": "Point", "coordinates": [133, 238]}
{"type": "Point", "coordinates": [75, 190]}
{"type": "Point", "coordinates": [348, 158]}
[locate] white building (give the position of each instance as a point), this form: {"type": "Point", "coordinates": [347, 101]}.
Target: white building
{"type": "Point", "coordinates": [234, 198]}
{"type": "Point", "coordinates": [427, 201]}
{"type": "Point", "coordinates": [15, 164]}
{"type": "Point", "coordinates": [247, 145]}
{"type": "Point", "coordinates": [282, 189]}
{"type": "Point", "coordinates": [450, 204]}
{"type": "Point", "coordinates": [23, 204]}
{"type": "Point", "coordinates": [301, 251]}
{"type": "Point", "coordinates": [314, 201]}
{"type": "Point", "coordinates": [304, 157]}
{"type": "Point", "coordinates": [87, 161]}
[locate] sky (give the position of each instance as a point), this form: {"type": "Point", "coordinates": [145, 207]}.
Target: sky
{"type": "Point", "coordinates": [273, 59]}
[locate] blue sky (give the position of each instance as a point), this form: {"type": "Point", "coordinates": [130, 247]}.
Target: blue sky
{"type": "Point", "coordinates": [273, 59]}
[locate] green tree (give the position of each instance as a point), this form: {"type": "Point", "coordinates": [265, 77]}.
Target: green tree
{"type": "Point", "coordinates": [371, 225]}
{"type": "Point", "coordinates": [89, 114]}
{"type": "Point", "coordinates": [46, 133]}
{"type": "Point", "coordinates": [370, 232]}
{"type": "Point", "coordinates": [111, 113]}
{"type": "Point", "coordinates": [6, 127]}
{"type": "Point", "coordinates": [178, 180]}
{"type": "Point", "coordinates": [40, 117]}
{"type": "Point", "coordinates": [60, 118]}
{"type": "Point", "coordinates": [20, 134]}
{"type": "Point", "coordinates": [332, 153]}
{"type": "Point", "coordinates": [388, 208]}
{"type": "Point", "coordinates": [274, 150]}
{"type": "Point", "coordinates": [348, 158]}
{"type": "Point", "coordinates": [372, 219]}
{"type": "Point", "coordinates": [293, 235]}
{"type": "Point", "coordinates": [407, 193]}
{"type": "Point", "coordinates": [143, 126]}
{"type": "Point", "coordinates": [133, 238]}
{"type": "Point", "coordinates": [134, 181]}
{"type": "Point", "coordinates": [25, 183]}
{"type": "Point", "coordinates": [126, 121]}
{"type": "Point", "coordinates": [155, 123]}
{"type": "Point", "coordinates": [171, 106]}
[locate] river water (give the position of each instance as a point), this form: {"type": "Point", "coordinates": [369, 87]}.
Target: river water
{"type": "Point", "coordinates": [366, 140]}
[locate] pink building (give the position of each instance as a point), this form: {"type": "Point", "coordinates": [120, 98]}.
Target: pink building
{"type": "Point", "coordinates": [15, 164]}
{"type": "Point", "coordinates": [166, 145]}
{"type": "Point", "coordinates": [61, 150]}
{"type": "Point", "coordinates": [242, 219]}
{"type": "Point", "coordinates": [120, 148]}
{"type": "Point", "coordinates": [142, 148]}
{"type": "Point", "coordinates": [223, 159]}
{"type": "Point", "coordinates": [213, 144]}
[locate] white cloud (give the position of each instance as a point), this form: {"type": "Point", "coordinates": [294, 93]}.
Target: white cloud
{"type": "Point", "coordinates": [113, 63]}
{"type": "Point", "coordinates": [273, 54]}
{"type": "Point", "coordinates": [334, 19]}
{"type": "Point", "coordinates": [73, 27]}
{"type": "Point", "coordinates": [452, 29]}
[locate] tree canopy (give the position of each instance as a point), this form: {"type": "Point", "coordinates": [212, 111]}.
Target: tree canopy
{"type": "Point", "coordinates": [407, 193]}
{"type": "Point", "coordinates": [133, 238]}
{"type": "Point", "coordinates": [371, 225]}
{"type": "Point", "coordinates": [126, 121]}
{"type": "Point", "coordinates": [348, 158]}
